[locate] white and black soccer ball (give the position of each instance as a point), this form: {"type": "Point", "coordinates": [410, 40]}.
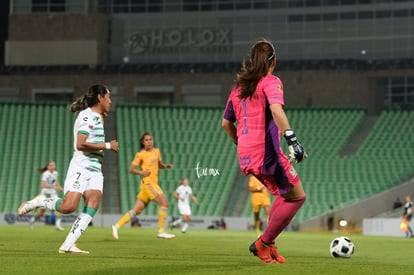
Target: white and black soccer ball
{"type": "Point", "coordinates": [342, 247]}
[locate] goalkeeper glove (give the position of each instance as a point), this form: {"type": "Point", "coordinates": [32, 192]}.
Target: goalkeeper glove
{"type": "Point", "coordinates": [296, 151]}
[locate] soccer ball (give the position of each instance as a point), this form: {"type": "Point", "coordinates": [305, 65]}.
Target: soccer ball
{"type": "Point", "coordinates": [342, 247]}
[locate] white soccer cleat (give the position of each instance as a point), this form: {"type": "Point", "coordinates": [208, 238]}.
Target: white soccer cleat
{"type": "Point", "coordinates": [165, 235]}
{"type": "Point", "coordinates": [184, 228]}
{"type": "Point", "coordinates": [31, 224]}
{"type": "Point", "coordinates": [58, 225]}
{"type": "Point", "coordinates": [115, 232]}
{"type": "Point", "coordinates": [71, 249]}
{"type": "Point", "coordinates": [29, 206]}
{"type": "Point", "coordinates": [60, 228]}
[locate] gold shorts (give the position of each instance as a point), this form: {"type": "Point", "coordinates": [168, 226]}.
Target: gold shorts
{"type": "Point", "coordinates": [149, 192]}
{"type": "Point", "coordinates": [257, 204]}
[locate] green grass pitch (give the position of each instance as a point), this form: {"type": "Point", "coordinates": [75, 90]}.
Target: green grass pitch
{"type": "Point", "coordinates": [138, 251]}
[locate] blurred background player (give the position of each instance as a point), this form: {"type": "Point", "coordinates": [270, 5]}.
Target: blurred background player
{"type": "Point", "coordinates": [149, 158]}
{"type": "Point", "coordinates": [256, 103]}
{"type": "Point", "coordinates": [84, 177]}
{"type": "Point", "coordinates": [184, 193]}
{"type": "Point", "coordinates": [49, 184]}
{"type": "Point", "coordinates": [260, 198]}
{"type": "Point", "coordinates": [408, 212]}
{"type": "Point", "coordinates": [330, 218]}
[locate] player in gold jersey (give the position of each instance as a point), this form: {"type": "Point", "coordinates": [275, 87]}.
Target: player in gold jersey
{"type": "Point", "coordinates": [149, 158]}
{"type": "Point", "coordinates": [260, 198]}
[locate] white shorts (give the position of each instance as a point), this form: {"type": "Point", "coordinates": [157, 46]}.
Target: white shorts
{"type": "Point", "coordinates": [184, 209]}
{"type": "Point", "coordinates": [79, 179]}
{"type": "Point", "coordinates": [49, 195]}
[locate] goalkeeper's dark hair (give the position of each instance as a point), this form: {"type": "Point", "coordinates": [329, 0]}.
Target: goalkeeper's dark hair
{"type": "Point", "coordinates": [262, 57]}
{"type": "Point", "coordinates": [89, 99]}
{"type": "Point", "coordinates": [43, 169]}
{"type": "Point", "coordinates": [141, 140]}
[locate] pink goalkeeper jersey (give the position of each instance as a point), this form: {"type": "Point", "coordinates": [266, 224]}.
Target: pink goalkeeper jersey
{"type": "Point", "coordinates": [258, 138]}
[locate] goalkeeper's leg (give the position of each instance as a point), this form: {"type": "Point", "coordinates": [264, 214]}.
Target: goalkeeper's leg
{"type": "Point", "coordinates": [283, 209]}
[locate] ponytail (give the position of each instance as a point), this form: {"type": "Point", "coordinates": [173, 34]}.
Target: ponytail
{"type": "Point", "coordinates": [262, 57]}
{"type": "Point", "coordinates": [42, 169]}
{"type": "Point", "coordinates": [90, 98]}
{"type": "Point", "coordinates": [79, 104]}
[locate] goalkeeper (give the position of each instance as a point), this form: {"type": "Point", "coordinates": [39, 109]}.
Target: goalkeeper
{"type": "Point", "coordinates": [256, 103]}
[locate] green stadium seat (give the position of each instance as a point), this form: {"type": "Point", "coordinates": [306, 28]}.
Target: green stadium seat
{"type": "Point", "coordinates": [356, 177]}
{"type": "Point", "coordinates": [181, 145]}
{"type": "Point", "coordinates": [32, 135]}
{"type": "Point", "coordinates": [187, 135]}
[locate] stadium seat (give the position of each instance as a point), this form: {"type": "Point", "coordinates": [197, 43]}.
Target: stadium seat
{"type": "Point", "coordinates": [186, 136]}
{"type": "Point", "coordinates": [32, 134]}
{"type": "Point", "coordinates": [331, 179]}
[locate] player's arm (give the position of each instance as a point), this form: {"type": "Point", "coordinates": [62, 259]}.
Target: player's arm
{"type": "Point", "coordinates": [58, 186]}
{"type": "Point", "coordinates": [162, 165]}
{"type": "Point", "coordinates": [280, 117]}
{"type": "Point", "coordinates": [177, 196]}
{"type": "Point", "coordinates": [193, 198]}
{"type": "Point", "coordinates": [404, 213]}
{"type": "Point", "coordinates": [133, 170]}
{"type": "Point", "coordinates": [44, 185]}
{"type": "Point", "coordinates": [230, 129]}
{"type": "Point", "coordinates": [296, 150]}
{"type": "Point", "coordinates": [83, 145]}
{"type": "Point", "coordinates": [229, 118]}
{"type": "Point", "coordinates": [165, 165]}
{"type": "Point", "coordinates": [255, 189]}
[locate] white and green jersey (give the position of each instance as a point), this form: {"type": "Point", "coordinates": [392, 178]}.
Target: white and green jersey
{"type": "Point", "coordinates": [50, 180]}
{"type": "Point", "coordinates": [184, 192]}
{"type": "Point", "coordinates": [90, 124]}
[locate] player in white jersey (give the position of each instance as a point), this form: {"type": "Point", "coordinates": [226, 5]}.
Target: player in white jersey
{"type": "Point", "coordinates": [184, 193]}
{"type": "Point", "coordinates": [84, 177]}
{"type": "Point", "coordinates": [50, 185]}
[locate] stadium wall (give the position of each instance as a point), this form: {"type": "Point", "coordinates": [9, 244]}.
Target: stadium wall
{"type": "Point", "coordinates": [382, 227]}
{"type": "Point", "coordinates": [217, 31]}
{"type": "Point", "coordinates": [358, 212]}
{"type": "Point", "coordinates": [106, 220]}
{"type": "Point", "coordinates": [93, 41]}
{"type": "Point", "coordinates": [318, 88]}
{"type": "Point", "coordinates": [39, 39]}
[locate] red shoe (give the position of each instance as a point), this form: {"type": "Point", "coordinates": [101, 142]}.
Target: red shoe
{"type": "Point", "coordinates": [273, 251]}
{"type": "Point", "coordinates": [261, 251]}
